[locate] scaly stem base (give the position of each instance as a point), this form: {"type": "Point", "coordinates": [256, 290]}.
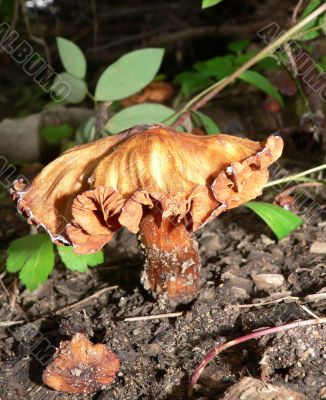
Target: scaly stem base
{"type": "Point", "coordinates": [172, 266]}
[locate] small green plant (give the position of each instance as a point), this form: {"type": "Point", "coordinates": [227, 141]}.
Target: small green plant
{"type": "Point", "coordinates": [33, 257]}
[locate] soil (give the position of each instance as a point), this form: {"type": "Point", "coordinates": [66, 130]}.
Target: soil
{"type": "Point", "coordinates": [158, 356]}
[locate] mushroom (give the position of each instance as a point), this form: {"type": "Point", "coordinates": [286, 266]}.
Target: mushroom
{"type": "Point", "coordinates": [158, 183]}
{"type": "Point", "coordinates": [79, 366]}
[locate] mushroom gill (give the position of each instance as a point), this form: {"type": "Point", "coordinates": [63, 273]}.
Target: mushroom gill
{"type": "Point", "coordinates": [152, 180]}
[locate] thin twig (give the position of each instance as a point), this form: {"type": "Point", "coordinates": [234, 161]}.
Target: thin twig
{"type": "Point", "coordinates": [296, 11]}
{"type": "Point", "coordinates": [293, 188]}
{"type": "Point", "coordinates": [158, 316]}
{"type": "Point", "coordinates": [4, 287]}
{"type": "Point", "coordinates": [15, 15]}
{"type": "Point", "coordinates": [39, 40]}
{"type": "Point", "coordinates": [13, 302]}
{"type": "Point", "coordinates": [101, 117]}
{"type": "Point", "coordinates": [5, 324]}
{"type": "Point", "coordinates": [253, 335]}
{"type": "Point", "coordinates": [265, 303]}
{"type": "Point", "coordinates": [306, 309]}
{"type": "Point", "coordinates": [296, 176]}
{"type": "Point", "coordinates": [86, 300]}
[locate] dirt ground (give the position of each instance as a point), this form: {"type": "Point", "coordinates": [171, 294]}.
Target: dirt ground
{"type": "Point", "coordinates": [158, 356]}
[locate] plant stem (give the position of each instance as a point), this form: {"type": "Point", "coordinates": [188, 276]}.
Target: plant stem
{"type": "Point", "coordinates": [253, 335]}
{"type": "Point", "coordinates": [296, 176]}
{"type": "Point", "coordinates": [203, 97]}
{"type": "Point", "coordinates": [101, 117]}
{"type": "Point", "coordinates": [89, 94]}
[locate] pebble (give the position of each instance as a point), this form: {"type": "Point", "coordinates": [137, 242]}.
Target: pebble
{"type": "Point", "coordinates": [266, 240]}
{"type": "Point", "coordinates": [268, 281]}
{"type": "Point", "coordinates": [238, 281]}
{"type": "Point", "coordinates": [321, 295]}
{"type": "Point", "coordinates": [318, 247]}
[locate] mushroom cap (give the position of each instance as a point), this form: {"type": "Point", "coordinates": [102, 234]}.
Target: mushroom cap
{"type": "Point", "coordinates": [80, 366]}
{"type": "Point", "coordinates": [91, 191]}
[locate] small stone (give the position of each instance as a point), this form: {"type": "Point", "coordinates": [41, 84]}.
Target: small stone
{"type": "Point", "coordinates": [321, 295]}
{"type": "Point", "coordinates": [239, 293]}
{"type": "Point", "coordinates": [254, 389]}
{"type": "Point", "coordinates": [266, 240]}
{"type": "Point", "coordinates": [238, 281]}
{"type": "Point", "coordinates": [268, 281]}
{"type": "Point", "coordinates": [322, 393]}
{"type": "Point", "coordinates": [318, 247]}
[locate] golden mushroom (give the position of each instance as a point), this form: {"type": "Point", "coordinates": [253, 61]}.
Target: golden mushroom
{"type": "Point", "coordinates": [159, 183]}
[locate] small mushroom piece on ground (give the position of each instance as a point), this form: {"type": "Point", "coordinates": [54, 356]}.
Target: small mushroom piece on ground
{"type": "Point", "coordinates": [81, 367]}
{"type": "Point", "coordinates": [161, 184]}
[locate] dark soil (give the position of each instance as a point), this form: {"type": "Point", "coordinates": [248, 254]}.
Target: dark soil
{"type": "Point", "coordinates": [158, 356]}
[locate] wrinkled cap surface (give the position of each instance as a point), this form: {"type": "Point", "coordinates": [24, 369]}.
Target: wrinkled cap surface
{"type": "Point", "coordinates": [91, 191]}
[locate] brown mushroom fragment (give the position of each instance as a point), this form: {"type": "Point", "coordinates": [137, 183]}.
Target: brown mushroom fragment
{"type": "Point", "coordinates": [154, 181]}
{"type": "Point", "coordinates": [81, 367]}
{"type": "Point", "coordinates": [155, 92]}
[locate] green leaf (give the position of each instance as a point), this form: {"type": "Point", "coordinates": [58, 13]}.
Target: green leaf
{"type": "Point", "coordinates": [55, 134]}
{"type": "Point", "coordinates": [322, 23]}
{"type": "Point", "coordinates": [218, 67]}
{"type": "Point", "coordinates": [238, 46]}
{"type": "Point", "coordinates": [79, 262]}
{"type": "Point", "coordinates": [207, 123]}
{"type": "Point", "coordinates": [33, 257]}
{"type": "Point", "coordinates": [258, 80]}
{"type": "Point", "coordinates": [209, 3]}
{"type": "Point", "coordinates": [147, 113]}
{"type": "Point", "coordinates": [269, 63]}
{"type": "Point", "coordinates": [192, 81]}
{"type": "Point", "coordinates": [72, 57]}
{"type": "Point", "coordinates": [78, 87]}
{"type": "Point", "coordinates": [129, 74]}
{"type": "Point", "coordinates": [282, 222]}
{"type": "Point", "coordinates": [313, 4]}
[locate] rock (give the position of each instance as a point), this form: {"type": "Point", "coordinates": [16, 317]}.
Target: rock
{"type": "Point", "coordinates": [254, 389]}
{"type": "Point", "coordinates": [239, 293]}
{"type": "Point", "coordinates": [20, 137]}
{"type": "Point", "coordinates": [266, 240]}
{"type": "Point", "coordinates": [318, 247]}
{"type": "Point", "coordinates": [322, 393]}
{"type": "Point", "coordinates": [238, 281]}
{"type": "Point", "coordinates": [268, 281]}
{"type": "Point", "coordinates": [321, 295]}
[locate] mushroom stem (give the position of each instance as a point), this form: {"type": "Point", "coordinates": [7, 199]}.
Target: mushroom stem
{"type": "Point", "coordinates": [172, 266]}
